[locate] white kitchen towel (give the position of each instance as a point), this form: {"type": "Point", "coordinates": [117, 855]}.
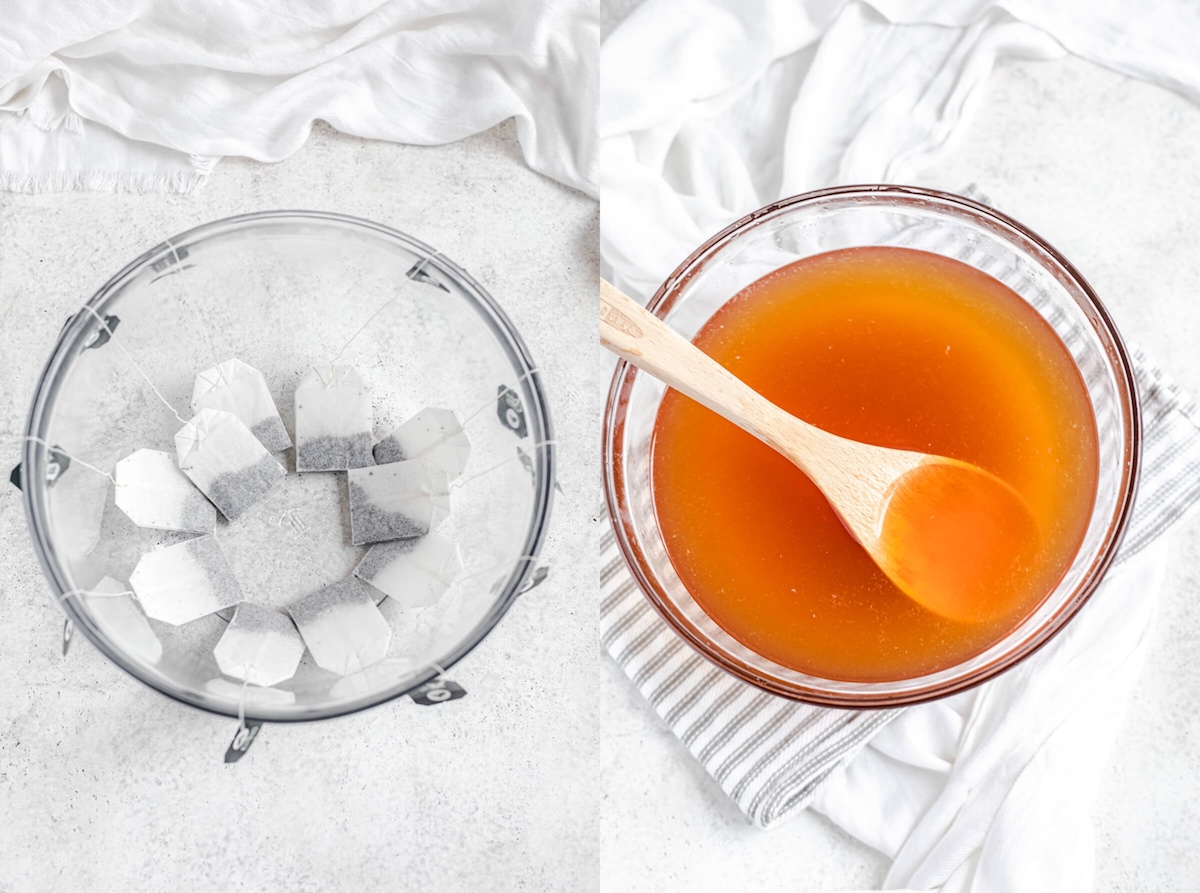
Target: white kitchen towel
{"type": "Point", "coordinates": [148, 94]}
{"type": "Point", "coordinates": [713, 108]}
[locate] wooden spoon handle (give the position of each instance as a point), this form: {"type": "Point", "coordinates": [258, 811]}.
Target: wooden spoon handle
{"type": "Point", "coordinates": [636, 335]}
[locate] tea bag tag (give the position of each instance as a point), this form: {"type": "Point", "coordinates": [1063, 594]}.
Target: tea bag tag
{"type": "Point", "coordinates": [510, 411]}
{"type": "Point", "coordinates": [334, 420]}
{"type": "Point", "coordinates": [400, 500]}
{"type": "Point", "coordinates": [238, 388]}
{"type": "Point", "coordinates": [226, 461]}
{"type": "Point", "coordinates": [539, 576]}
{"type": "Point", "coordinates": [103, 334]}
{"type": "Point", "coordinates": [154, 493]}
{"type": "Point", "coordinates": [435, 435]}
{"type": "Point", "coordinates": [57, 463]}
{"type": "Point", "coordinates": [242, 739]}
{"type": "Point", "coordinates": [439, 691]}
{"type": "Point", "coordinates": [185, 582]}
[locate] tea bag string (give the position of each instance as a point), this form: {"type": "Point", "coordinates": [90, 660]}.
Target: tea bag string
{"type": "Point", "coordinates": [129, 356]}
{"type": "Point", "coordinates": [462, 483]}
{"type": "Point", "coordinates": [247, 668]}
{"type": "Point", "coordinates": [75, 459]}
{"type": "Point", "coordinates": [242, 706]}
{"type": "Point", "coordinates": [409, 277]}
{"type": "Point", "coordinates": [190, 303]}
{"type": "Point", "coordinates": [357, 659]}
{"type": "Point", "coordinates": [91, 593]}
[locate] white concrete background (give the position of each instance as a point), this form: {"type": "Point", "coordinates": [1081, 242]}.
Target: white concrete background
{"type": "Point", "coordinates": [106, 785]}
{"type": "Point", "coordinates": [1104, 168]}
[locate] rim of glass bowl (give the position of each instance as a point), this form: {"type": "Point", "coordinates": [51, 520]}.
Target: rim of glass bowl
{"type": "Point", "coordinates": [639, 566]}
{"type": "Point", "coordinates": [77, 328]}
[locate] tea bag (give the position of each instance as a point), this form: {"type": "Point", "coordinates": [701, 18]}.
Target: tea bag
{"type": "Point", "coordinates": [186, 581]}
{"type": "Point", "coordinates": [234, 386]}
{"type": "Point", "coordinates": [119, 618]}
{"type": "Point", "coordinates": [260, 646]}
{"type": "Point", "coordinates": [396, 501]}
{"type": "Point", "coordinates": [334, 427]}
{"type": "Point", "coordinates": [414, 572]}
{"type": "Point", "coordinates": [218, 452]}
{"type": "Point", "coordinates": [434, 435]}
{"type": "Point", "coordinates": [342, 627]}
{"type": "Point", "coordinates": [154, 493]}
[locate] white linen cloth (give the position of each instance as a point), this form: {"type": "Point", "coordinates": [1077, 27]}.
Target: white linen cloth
{"type": "Point", "coordinates": [148, 94]}
{"type": "Point", "coordinates": [990, 790]}
{"type": "Point", "coordinates": [713, 108]}
{"type": "Point", "coordinates": [710, 109]}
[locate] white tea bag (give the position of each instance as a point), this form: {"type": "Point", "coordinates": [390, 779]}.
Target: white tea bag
{"type": "Point", "coordinates": [396, 501]}
{"type": "Point", "coordinates": [334, 420]}
{"type": "Point", "coordinates": [415, 572]}
{"type": "Point", "coordinates": [234, 386]}
{"type": "Point", "coordinates": [434, 435]}
{"type": "Point", "coordinates": [154, 493]}
{"type": "Point", "coordinates": [218, 452]}
{"type": "Point", "coordinates": [342, 627]}
{"type": "Point", "coordinates": [119, 618]}
{"type": "Point", "coordinates": [260, 646]}
{"type": "Point", "coordinates": [186, 581]}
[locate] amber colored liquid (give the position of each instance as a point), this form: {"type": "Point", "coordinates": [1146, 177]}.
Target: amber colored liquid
{"type": "Point", "coordinates": [889, 346]}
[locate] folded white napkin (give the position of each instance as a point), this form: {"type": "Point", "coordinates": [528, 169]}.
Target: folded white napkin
{"type": "Point", "coordinates": [147, 94]}
{"type": "Point", "coordinates": [714, 108]}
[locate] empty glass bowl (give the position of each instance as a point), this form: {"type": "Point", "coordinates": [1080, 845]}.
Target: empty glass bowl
{"type": "Point", "coordinates": [284, 292]}
{"type": "Point", "coordinates": [817, 222]}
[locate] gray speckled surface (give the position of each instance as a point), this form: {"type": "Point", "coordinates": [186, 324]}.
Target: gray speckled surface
{"type": "Point", "coordinates": [108, 786]}
{"type": "Point", "coordinates": [1104, 168]}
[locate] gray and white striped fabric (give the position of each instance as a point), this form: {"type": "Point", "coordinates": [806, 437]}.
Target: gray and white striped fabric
{"type": "Point", "coordinates": [771, 755]}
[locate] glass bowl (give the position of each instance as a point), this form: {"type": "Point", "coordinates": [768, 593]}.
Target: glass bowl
{"type": "Point", "coordinates": [284, 291]}
{"type": "Point", "coordinates": [855, 216]}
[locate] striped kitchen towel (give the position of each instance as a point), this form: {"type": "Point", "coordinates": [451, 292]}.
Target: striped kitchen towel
{"type": "Point", "coordinates": [771, 755]}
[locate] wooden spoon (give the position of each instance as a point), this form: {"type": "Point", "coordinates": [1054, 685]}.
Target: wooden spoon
{"type": "Point", "coordinates": [953, 537]}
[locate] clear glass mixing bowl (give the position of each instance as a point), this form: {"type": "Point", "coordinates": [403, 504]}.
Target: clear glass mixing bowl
{"type": "Point", "coordinates": [847, 217]}
{"type": "Point", "coordinates": [284, 291]}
